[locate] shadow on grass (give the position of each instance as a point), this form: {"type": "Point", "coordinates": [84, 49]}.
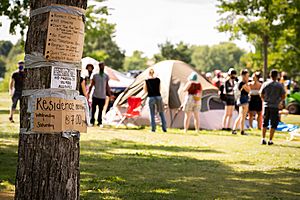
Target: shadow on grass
{"type": "Point", "coordinates": [131, 145]}
{"type": "Point", "coordinates": [7, 135]}
{"type": "Point", "coordinates": [107, 175]}
{"type": "Point", "coordinates": [8, 165]}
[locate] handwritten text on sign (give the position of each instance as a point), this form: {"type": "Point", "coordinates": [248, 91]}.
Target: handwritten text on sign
{"type": "Point", "coordinates": [54, 114]}
{"type": "Point", "coordinates": [65, 37]}
{"type": "Point", "coordinates": [64, 78]}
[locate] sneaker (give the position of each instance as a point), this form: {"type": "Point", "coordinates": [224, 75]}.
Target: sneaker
{"type": "Point", "coordinates": [270, 142]}
{"type": "Point", "coordinates": [228, 129]}
{"type": "Point", "coordinates": [234, 132]}
{"type": "Point", "coordinates": [11, 120]}
{"type": "Point", "coordinates": [244, 133]}
{"type": "Point", "coordinates": [224, 129]}
{"type": "Point", "coordinates": [263, 142]}
{"type": "Point", "coordinates": [100, 125]}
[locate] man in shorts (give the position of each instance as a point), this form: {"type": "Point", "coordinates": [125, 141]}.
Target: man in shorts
{"type": "Point", "coordinates": [15, 88]}
{"type": "Point", "coordinates": [272, 93]}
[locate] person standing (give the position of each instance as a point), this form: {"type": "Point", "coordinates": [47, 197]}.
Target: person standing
{"type": "Point", "coordinates": [272, 93]}
{"type": "Point", "coordinates": [82, 88]}
{"type": "Point", "coordinates": [102, 89]}
{"type": "Point", "coordinates": [192, 103]}
{"type": "Point", "coordinates": [242, 102]}
{"type": "Point", "coordinates": [15, 88]}
{"type": "Point", "coordinates": [229, 99]}
{"type": "Point", "coordinates": [152, 88]}
{"type": "Point", "coordinates": [255, 103]}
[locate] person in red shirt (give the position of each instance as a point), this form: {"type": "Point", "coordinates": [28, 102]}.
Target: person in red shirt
{"type": "Point", "coordinates": [192, 103]}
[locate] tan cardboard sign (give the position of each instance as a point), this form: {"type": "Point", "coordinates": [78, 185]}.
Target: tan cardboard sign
{"type": "Point", "coordinates": [54, 114]}
{"type": "Point", "coordinates": [65, 37]}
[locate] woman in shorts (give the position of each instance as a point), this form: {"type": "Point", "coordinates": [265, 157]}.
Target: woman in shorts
{"type": "Point", "coordinates": [255, 103]}
{"type": "Point", "coordinates": [229, 99]}
{"type": "Point", "coordinates": [192, 103]}
{"type": "Point", "coordinates": [242, 102]}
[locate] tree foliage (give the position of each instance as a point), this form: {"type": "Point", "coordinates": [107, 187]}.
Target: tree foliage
{"type": "Point", "coordinates": [169, 51]}
{"type": "Point", "coordinates": [99, 34]}
{"type": "Point", "coordinates": [273, 23]}
{"type": "Point", "coordinates": [5, 47]}
{"type": "Point", "coordinates": [135, 62]}
{"type": "Point", "coordinates": [221, 56]}
{"type": "Point", "coordinates": [17, 11]}
{"type": "Point", "coordinates": [10, 64]}
{"type": "Point", "coordinates": [99, 38]}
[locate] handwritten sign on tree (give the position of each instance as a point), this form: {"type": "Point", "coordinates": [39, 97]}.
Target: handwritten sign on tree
{"type": "Point", "coordinates": [65, 37]}
{"type": "Point", "coordinates": [54, 114]}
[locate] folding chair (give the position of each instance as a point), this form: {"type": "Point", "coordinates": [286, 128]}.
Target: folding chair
{"type": "Point", "coordinates": [133, 110]}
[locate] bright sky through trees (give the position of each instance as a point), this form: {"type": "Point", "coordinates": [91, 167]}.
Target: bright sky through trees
{"type": "Point", "coordinates": [143, 24]}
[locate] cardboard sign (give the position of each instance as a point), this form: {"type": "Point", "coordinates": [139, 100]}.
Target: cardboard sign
{"type": "Point", "coordinates": [64, 78]}
{"type": "Point", "coordinates": [64, 38]}
{"type": "Point", "coordinates": [57, 115]}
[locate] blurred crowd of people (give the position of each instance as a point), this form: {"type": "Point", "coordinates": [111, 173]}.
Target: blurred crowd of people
{"type": "Point", "coordinates": [250, 95]}
{"type": "Point", "coordinates": [252, 98]}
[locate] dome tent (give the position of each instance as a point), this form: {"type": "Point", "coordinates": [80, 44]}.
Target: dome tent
{"type": "Point", "coordinates": [173, 75]}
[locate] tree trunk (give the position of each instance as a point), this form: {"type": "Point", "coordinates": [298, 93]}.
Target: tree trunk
{"type": "Point", "coordinates": [48, 164]}
{"type": "Point", "coordinates": [265, 48]}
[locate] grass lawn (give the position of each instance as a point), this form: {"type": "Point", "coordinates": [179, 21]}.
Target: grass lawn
{"type": "Point", "coordinates": [137, 164]}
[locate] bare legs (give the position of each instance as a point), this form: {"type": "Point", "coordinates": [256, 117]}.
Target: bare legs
{"type": "Point", "coordinates": [11, 115]}
{"type": "Point", "coordinates": [227, 116]}
{"type": "Point", "coordinates": [240, 121]}
{"type": "Point", "coordinates": [259, 119]}
{"type": "Point", "coordinates": [196, 120]}
{"type": "Point", "coordinates": [187, 118]}
{"type": "Point", "coordinates": [264, 131]}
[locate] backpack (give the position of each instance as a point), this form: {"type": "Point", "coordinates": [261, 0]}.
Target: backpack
{"type": "Point", "coordinates": [236, 91]}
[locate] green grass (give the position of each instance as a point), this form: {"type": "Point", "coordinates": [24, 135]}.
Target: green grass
{"type": "Point", "coordinates": [137, 164]}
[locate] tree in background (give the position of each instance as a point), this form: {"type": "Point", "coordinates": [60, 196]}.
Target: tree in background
{"type": "Point", "coordinates": [15, 54]}
{"type": "Point", "coordinates": [5, 47]}
{"type": "Point", "coordinates": [136, 61]}
{"type": "Point", "coordinates": [269, 25]}
{"type": "Point", "coordinates": [99, 34]}
{"type": "Point", "coordinates": [221, 56]}
{"type": "Point", "coordinates": [17, 12]}
{"type": "Point", "coordinates": [169, 51]}
{"type": "Point", "coordinates": [286, 51]}
{"type": "Point", "coordinates": [99, 38]}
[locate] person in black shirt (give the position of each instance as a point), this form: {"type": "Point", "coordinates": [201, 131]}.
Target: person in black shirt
{"type": "Point", "coordinates": [229, 99]}
{"type": "Point", "coordinates": [15, 88]}
{"type": "Point", "coordinates": [152, 87]}
{"type": "Point", "coordinates": [242, 102]}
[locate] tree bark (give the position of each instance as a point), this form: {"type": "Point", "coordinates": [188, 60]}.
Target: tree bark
{"type": "Point", "coordinates": [48, 164]}
{"type": "Point", "coordinates": [265, 48]}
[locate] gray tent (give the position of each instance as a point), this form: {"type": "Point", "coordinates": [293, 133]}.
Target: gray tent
{"type": "Point", "coordinates": [173, 75]}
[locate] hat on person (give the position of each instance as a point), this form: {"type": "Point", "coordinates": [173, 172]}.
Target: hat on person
{"type": "Point", "coordinates": [193, 76]}
{"type": "Point", "coordinates": [231, 71]}
{"type": "Point", "coordinates": [89, 65]}
{"type": "Point", "coordinates": [20, 62]}
{"type": "Point", "coordinates": [208, 75]}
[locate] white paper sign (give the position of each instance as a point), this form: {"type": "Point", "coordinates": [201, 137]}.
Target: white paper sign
{"type": "Point", "coordinates": [63, 78]}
